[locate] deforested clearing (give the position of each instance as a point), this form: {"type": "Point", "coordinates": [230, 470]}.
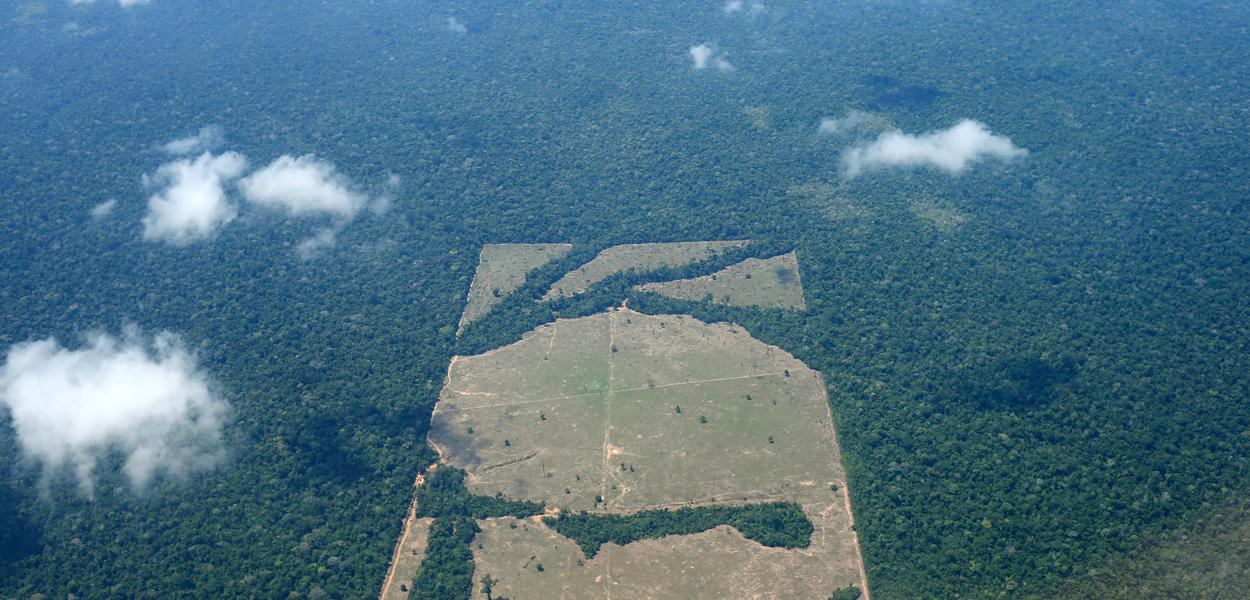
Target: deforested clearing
{"type": "Point", "coordinates": [621, 412]}
{"type": "Point", "coordinates": [407, 559]}
{"type": "Point", "coordinates": [641, 257]}
{"type": "Point", "coordinates": [501, 269]}
{"type": "Point", "coordinates": [764, 283]}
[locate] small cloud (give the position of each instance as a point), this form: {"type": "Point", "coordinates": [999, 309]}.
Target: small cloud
{"type": "Point", "coordinates": [208, 139]}
{"type": "Point", "coordinates": [303, 186]}
{"type": "Point", "coordinates": [738, 6]}
{"type": "Point", "coordinates": [311, 247]}
{"type": "Point", "coordinates": [147, 399]}
{"type": "Point", "coordinates": [192, 202]}
{"type": "Point", "coordinates": [383, 201]}
{"type": "Point", "coordinates": [121, 3]}
{"type": "Point", "coordinates": [306, 186]}
{"type": "Point", "coordinates": [704, 56]}
{"type": "Point", "coordinates": [103, 209]}
{"type": "Point", "coordinates": [855, 120]}
{"type": "Point", "coordinates": [952, 150]}
{"type": "Point", "coordinates": [700, 55]}
{"type": "Point", "coordinates": [455, 26]}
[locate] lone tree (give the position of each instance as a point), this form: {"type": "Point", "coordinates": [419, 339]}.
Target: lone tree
{"type": "Point", "coordinates": [488, 586]}
{"type": "Point", "coordinates": [847, 593]}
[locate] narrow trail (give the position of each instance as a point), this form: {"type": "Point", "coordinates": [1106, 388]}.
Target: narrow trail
{"type": "Point", "coordinates": [389, 582]}
{"type": "Point", "coordinates": [607, 409]}
{"type": "Point", "coordinates": [576, 396]}
{"type": "Point", "coordinates": [846, 492]}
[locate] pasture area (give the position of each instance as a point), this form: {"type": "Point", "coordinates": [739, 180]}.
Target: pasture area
{"type": "Point", "coordinates": [764, 283]}
{"type": "Point", "coordinates": [501, 269]}
{"type": "Point", "coordinates": [623, 411]}
{"type": "Point", "coordinates": [407, 559]}
{"type": "Point", "coordinates": [642, 257]}
{"type": "Point", "coordinates": [717, 563]}
{"type": "Point", "coordinates": [640, 410]}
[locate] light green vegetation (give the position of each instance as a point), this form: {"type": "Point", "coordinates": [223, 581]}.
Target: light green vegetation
{"type": "Point", "coordinates": [768, 283]}
{"type": "Point", "coordinates": [1207, 560]}
{"type": "Point", "coordinates": [642, 257]}
{"type": "Point", "coordinates": [501, 268]}
{"type": "Point", "coordinates": [829, 201]}
{"type": "Point", "coordinates": [718, 563]}
{"type": "Point", "coordinates": [944, 217]}
{"type": "Point", "coordinates": [407, 559]}
{"type": "Point", "coordinates": [645, 412]}
{"type": "Point", "coordinates": [567, 405]}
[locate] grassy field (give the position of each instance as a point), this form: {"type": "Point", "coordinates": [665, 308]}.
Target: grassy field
{"type": "Point", "coordinates": [718, 563]}
{"type": "Point", "coordinates": [407, 559]}
{"type": "Point", "coordinates": [766, 283]}
{"type": "Point", "coordinates": [622, 412]}
{"type": "Point", "coordinates": [642, 257]}
{"type": "Point", "coordinates": [501, 268]}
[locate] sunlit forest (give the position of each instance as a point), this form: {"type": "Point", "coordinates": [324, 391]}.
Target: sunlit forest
{"type": "Point", "coordinates": [1037, 357]}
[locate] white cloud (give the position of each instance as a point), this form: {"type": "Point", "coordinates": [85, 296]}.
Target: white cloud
{"type": "Point", "coordinates": [383, 201]}
{"type": "Point", "coordinates": [455, 26]}
{"type": "Point", "coordinates": [311, 247]}
{"type": "Point", "coordinates": [853, 121]}
{"type": "Point", "coordinates": [121, 3]}
{"type": "Point", "coordinates": [103, 209]}
{"type": "Point", "coordinates": [208, 138]}
{"type": "Point", "coordinates": [737, 6]}
{"type": "Point", "coordinates": [327, 237]}
{"type": "Point", "coordinates": [192, 203]}
{"type": "Point", "coordinates": [146, 399]}
{"type": "Point", "coordinates": [303, 186]}
{"type": "Point", "coordinates": [704, 56]}
{"type": "Point", "coordinates": [700, 55]}
{"type": "Point", "coordinates": [951, 150]}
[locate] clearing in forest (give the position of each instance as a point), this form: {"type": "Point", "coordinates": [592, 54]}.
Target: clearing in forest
{"type": "Point", "coordinates": [765, 283]}
{"type": "Point", "coordinates": [622, 411]}
{"type": "Point", "coordinates": [642, 257]}
{"type": "Point", "coordinates": [501, 269]}
{"type": "Point", "coordinates": [407, 559]}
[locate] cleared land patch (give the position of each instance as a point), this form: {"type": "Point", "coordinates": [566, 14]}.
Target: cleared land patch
{"type": "Point", "coordinates": [407, 559]}
{"type": "Point", "coordinates": [501, 269]}
{"type": "Point", "coordinates": [767, 283]}
{"type": "Point", "coordinates": [718, 563]}
{"type": "Point", "coordinates": [622, 412]}
{"type": "Point", "coordinates": [943, 217]}
{"type": "Point", "coordinates": [643, 257]}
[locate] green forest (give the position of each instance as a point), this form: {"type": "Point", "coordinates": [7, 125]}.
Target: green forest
{"type": "Point", "coordinates": [1041, 394]}
{"type": "Point", "coordinates": [773, 524]}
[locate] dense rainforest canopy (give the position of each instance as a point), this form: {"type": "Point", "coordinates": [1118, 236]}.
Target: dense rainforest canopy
{"type": "Point", "coordinates": [1038, 368]}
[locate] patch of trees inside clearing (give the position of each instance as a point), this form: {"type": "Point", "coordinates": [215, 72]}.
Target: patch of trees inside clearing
{"type": "Point", "coordinates": [447, 570]}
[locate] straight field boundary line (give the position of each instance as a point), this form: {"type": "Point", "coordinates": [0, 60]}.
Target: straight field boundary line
{"type": "Point", "coordinates": [846, 489]}
{"type": "Point", "coordinates": [607, 409]}
{"type": "Point", "coordinates": [609, 390]}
